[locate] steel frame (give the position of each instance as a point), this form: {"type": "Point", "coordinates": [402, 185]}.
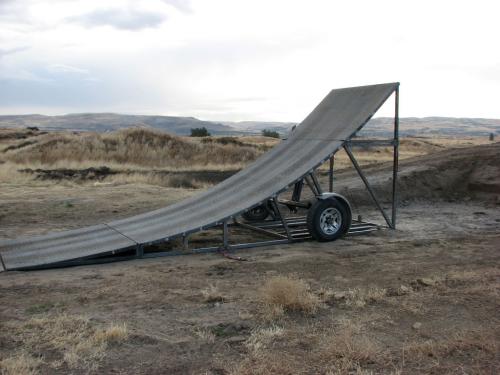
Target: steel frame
{"type": "Point", "coordinates": [310, 179]}
{"type": "Point", "coordinates": [312, 182]}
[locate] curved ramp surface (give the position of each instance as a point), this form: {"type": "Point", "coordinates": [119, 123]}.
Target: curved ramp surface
{"type": "Point", "coordinates": [336, 119]}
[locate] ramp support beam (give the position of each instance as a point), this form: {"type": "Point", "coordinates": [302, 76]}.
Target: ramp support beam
{"type": "Point", "coordinates": [330, 174]}
{"type": "Point", "coordinates": [347, 149]}
{"type": "Point", "coordinates": [259, 230]}
{"type": "Point", "coordinates": [225, 235]}
{"type": "Point", "coordinates": [274, 202]}
{"type": "Point", "coordinates": [316, 183]}
{"type": "Point", "coordinates": [139, 251]}
{"type": "Point", "coordinates": [313, 184]}
{"type": "Point", "coordinates": [396, 158]}
{"type": "Point", "coordinates": [297, 190]}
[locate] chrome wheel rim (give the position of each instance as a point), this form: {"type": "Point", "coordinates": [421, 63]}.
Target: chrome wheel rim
{"type": "Point", "coordinates": [330, 221]}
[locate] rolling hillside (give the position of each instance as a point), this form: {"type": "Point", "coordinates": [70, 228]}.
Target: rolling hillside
{"type": "Point", "coordinates": [379, 127]}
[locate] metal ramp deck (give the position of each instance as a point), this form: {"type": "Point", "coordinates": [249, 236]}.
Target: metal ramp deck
{"type": "Point", "coordinates": [339, 116]}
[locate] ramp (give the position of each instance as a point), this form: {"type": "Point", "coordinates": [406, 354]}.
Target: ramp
{"type": "Point", "coordinates": [334, 121]}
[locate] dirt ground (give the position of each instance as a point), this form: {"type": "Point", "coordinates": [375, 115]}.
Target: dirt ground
{"type": "Point", "coordinates": [421, 299]}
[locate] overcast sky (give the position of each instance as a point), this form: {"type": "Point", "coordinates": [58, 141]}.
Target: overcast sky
{"type": "Point", "coordinates": [246, 59]}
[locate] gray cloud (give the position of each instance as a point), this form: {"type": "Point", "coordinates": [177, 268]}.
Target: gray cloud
{"type": "Point", "coordinates": [124, 19]}
{"type": "Point", "coordinates": [76, 89]}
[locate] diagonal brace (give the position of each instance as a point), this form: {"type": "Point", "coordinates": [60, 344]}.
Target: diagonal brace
{"type": "Point", "coordinates": [347, 149]}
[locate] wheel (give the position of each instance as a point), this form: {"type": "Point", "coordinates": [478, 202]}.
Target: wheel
{"type": "Point", "coordinates": [328, 219]}
{"type": "Point", "coordinates": [258, 213]}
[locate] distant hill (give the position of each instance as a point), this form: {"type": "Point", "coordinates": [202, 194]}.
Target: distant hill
{"type": "Point", "coordinates": [408, 126]}
{"type": "Point", "coordinates": [433, 126]}
{"type": "Point", "coordinates": [258, 126]}
{"type": "Point", "coordinates": [379, 127]}
{"type": "Point", "coordinates": [101, 122]}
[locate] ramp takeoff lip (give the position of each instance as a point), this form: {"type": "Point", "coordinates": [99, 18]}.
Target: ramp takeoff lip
{"type": "Point", "coordinates": [336, 119]}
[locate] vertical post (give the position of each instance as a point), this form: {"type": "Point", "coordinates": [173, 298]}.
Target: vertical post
{"type": "Point", "coordinates": [185, 242]}
{"type": "Point", "coordinates": [396, 158]}
{"type": "Point", "coordinates": [139, 251]}
{"type": "Point", "coordinates": [225, 234]}
{"type": "Point", "coordinates": [330, 174]}
{"type": "Point", "coordinates": [297, 190]}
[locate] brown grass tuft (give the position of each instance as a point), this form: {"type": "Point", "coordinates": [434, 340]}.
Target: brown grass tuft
{"type": "Point", "coordinates": [346, 350]}
{"type": "Point", "coordinates": [261, 338]}
{"type": "Point", "coordinates": [348, 344]}
{"type": "Point", "coordinates": [20, 364]}
{"type": "Point", "coordinates": [464, 342]}
{"type": "Point", "coordinates": [205, 335]}
{"type": "Point", "coordinates": [267, 363]}
{"type": "Point", "coordinates": [360, 297]}
{"type": "Point", "coordinates": [79, 343]}
{"type": "Point", "coordinates": [212, 294]}
{"type": "Point", "coordinates": [283, 293]}
{"type": "Point", "coordinates": [115, 333]}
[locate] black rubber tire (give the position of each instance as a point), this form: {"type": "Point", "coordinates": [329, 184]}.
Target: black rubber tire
{"type": "Point", "coordinates": [314, 219]}
{"type": "Point", "coordinates": [258, 213]}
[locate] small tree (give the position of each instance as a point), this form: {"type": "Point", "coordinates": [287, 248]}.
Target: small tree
{"type": "Point", "coordinates": [200, 132]}
{"type": "Point", "coordinates": [270, 133]}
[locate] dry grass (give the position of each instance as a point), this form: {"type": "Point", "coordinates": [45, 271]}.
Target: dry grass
{"type": "Point", "coordinates": [268, 363]}
{"type": "Point", "coordinates": [347, 350]}
{"type": "Point", "coordinates": [261, 338]}
{"type": "Point", "coordinates": [360, 297]}
{"type": "Point", "coordinates": [205, 335]}
{"type": "Point", "coordinates": [462, 342]}
{"type": "Point", "coordinates": [212, 294]}
{"type": "Point", "coordinates": [116, 333]}
{"type": "Point", "coordinates": [343, 350]}
{"type": "Point", "coordinates": [346, 347]}
{"type": "Point", "coordinates": [446, 355]}
{"type": "Point", "coordinates": [9, 174]}
{"type": "Point", "coordinates": [139, 156]}
{"type": "Point", "coordinates": [158, 179]}
{"type": "Point", "coordinates": [77, 341]}
{"type": "Point", "coordinates": [282, 294]}
{"type": "Point", "coordinates": [20, 364]}
{"type": "Point", "coordinates": [409, 147]}
{"type": "Point", "coordinates": [134, 146]}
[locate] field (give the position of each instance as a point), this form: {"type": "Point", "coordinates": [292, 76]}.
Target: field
{"type": "Point", "coordinates": [421, 299]}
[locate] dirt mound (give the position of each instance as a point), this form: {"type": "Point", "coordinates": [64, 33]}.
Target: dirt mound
{"type": "Point", "coordinates": [455, 173]}
{"type": "Point", "coordinates": [464, 173]}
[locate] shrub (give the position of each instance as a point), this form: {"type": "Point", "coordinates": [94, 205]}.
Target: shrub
{"type": "Point", "coordinates": [270, 133]}
{"type": "Point", "coordinates": [199, 132]}
{"type": "Point", "coordinates": [283, 293]}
